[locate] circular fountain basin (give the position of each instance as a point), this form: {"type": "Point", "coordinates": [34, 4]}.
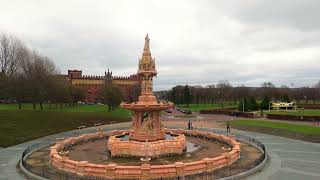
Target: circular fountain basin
{"type": "Point", "coordinates": [124, 167]}
{"type": "Point", "coordinates": [122, 146]}
{"type": "Point", "coordinates": [190, 147]}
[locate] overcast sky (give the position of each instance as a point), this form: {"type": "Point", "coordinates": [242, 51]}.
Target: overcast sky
{"type": "Point", "coordinates": [195, 42]}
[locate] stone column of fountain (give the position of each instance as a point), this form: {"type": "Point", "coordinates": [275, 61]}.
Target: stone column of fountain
{"type": "Point", "coordinates": [146, 117]}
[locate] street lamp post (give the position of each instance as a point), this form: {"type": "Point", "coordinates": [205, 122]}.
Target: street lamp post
{"type": "Point", "coordinates": [269, 106]}
{"type": "Point", "coordinates": [243, 105]}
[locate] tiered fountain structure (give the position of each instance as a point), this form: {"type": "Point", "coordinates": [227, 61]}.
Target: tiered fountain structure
{"type": "Point", "coordinates": [147, 139]}
{"type": "Point", "coordinates": [147, 136]}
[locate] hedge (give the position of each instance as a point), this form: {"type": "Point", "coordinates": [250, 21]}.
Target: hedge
{"type": "Point", "coordinates": [292, 117]}
{"type": "Point", "coordinates": [228, 112]}
{"type": "Point", "coordinates": [309, 106]}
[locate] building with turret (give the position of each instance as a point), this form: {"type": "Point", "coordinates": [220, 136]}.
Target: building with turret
{"type": "Point", "coordinates": [92, 84]}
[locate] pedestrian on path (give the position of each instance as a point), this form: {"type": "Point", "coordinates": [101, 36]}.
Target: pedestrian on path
{"type": "Point", "coordinates": [228, 127]}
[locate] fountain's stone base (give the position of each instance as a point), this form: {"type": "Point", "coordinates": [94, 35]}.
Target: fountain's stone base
{"type": "Point", "coordinates": [147, 136]}
{"type": "Point", "coordinates": [145, 170]}
{"type": "Point", "coordinates": [174, 144]}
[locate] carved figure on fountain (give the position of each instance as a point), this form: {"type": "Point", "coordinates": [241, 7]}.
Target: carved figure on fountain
{"type": "Point", "coordinates": [147, 122]}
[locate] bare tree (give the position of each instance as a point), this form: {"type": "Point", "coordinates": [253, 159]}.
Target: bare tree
{"type": "Point", "coordinates": [241, 92]}
{"type": "Point", "coordinates": [135, 92]}
{"type": "Point", "coordinates": [38, 72]}
{"type": "Point", "coordinates": [224, 91]}
{"type": "Point", "coordinates": [317, 89]}
{"type": "Point", "coordinates": [211, 93]}
{"type": "Point", "coordinates": [269, 89]}
{"type": "Point", "coordinates": [12, 52]}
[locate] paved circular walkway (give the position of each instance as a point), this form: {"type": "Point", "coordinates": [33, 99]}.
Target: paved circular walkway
{"type": "Point", "coordinates": [290, 159]}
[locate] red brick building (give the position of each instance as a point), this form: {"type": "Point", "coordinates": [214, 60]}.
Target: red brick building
{"type": "Point", "coordinates": [92, 84]}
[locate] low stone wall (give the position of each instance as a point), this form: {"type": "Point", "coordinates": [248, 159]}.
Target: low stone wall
{"type": "Point", "coordinates": [217, 111]}
{"type": "Point", "coordinates": [244, 114]}
{"type": "Point", "coordinates": [147, 149]}
{"type": "Point", "coordinates": [145, 171]}
{"type": "Point", "coordinates": [228, 112]}
{"type": "Point", "coordinates": [292, 117]}
{"type": "Point", "coordinates": [309, 106]}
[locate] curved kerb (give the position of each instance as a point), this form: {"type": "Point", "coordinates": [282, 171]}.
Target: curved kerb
{"type": "Point", "coordinates": [24, 170]}
{"type": "Point", "coordinates": [251, 171]}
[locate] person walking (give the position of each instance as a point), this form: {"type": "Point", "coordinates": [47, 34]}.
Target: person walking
{"type": "Point", "coordinates": [228, 127]}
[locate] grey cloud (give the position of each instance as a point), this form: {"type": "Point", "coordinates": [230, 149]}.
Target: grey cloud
{"type": "Point", "coordinates": [195, 42]}
{"type": "Point", "coordinates": [301, 15]}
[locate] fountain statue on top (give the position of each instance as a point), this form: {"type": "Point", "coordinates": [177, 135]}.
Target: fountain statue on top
{"type": "Point", "coordinates": [146, 125]}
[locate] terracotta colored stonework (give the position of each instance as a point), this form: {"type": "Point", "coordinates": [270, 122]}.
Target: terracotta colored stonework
{"type": "Point", "coordinates": [176, 145]}
{"type": "Point", "coordinates": [146, 125]}
{"type": "Point", "coordinates": [147, 136]}
{"type": "Point", "coordinates": [145, 171]}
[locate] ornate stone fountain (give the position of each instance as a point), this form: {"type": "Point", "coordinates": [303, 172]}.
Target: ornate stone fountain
{"type": "Point", "coordinates": [147, 136]}
{"type": "Point", "coordinates": [146, 112]}
{"type": "Point", "coordinates": [146, 139]}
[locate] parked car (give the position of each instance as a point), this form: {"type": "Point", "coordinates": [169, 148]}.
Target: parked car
{"type": "Point", "coordinates": [188, 111]}
{"type": "Point", "coordinates": [81, 102]}
{"type": "Point", "coordinates": [185, 111]}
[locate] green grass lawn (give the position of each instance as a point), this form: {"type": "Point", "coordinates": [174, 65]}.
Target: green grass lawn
{"type": "Point", "coordinates": [17, 126]}
{"type": "Point", "coordinates": [296, 128]}
{"type": "Point", "coordinates": [197, 108]}
{"type": "Point", "coordinates": [185, 116]}
{"type": "Point", "coordinates": [306, 112]}
{"type": "Point", "coordinates": [293, 131]}
{"type": "Point", "coordinates": [77, 108]}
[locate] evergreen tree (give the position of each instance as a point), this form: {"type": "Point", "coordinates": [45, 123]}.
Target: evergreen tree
{"type": "Point", "coordinates": [187, 95]}
{"type": "Point", "coordinates": [173, 93]}
{"type": "Point", "coordinates": [244, 105]}
{"type": "Point", "coordinates": [253, 104]}
{"type": "Point", "coordinates": [285, 98]}
{"type": "Point", "coordinates": [265, 103]}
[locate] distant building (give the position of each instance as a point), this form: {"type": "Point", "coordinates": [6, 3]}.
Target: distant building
{"type": "Point", "coordinates": [92, 84]}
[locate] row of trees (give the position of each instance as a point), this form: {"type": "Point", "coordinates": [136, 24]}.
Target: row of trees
{"type": "Point", "coordinates": [28, 76]}
{"type": "Point", "coordinates": [224, 92]}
